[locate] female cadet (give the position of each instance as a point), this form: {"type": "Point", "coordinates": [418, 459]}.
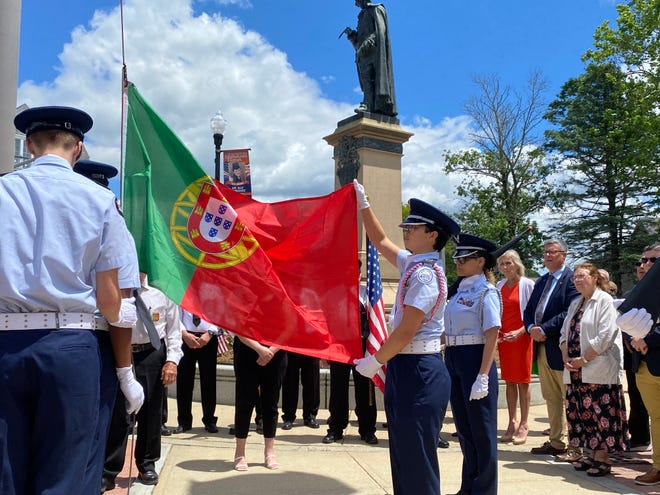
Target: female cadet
{"type": "Point", "coordinates": [417, 385]}
{"type": "Point", "coordinates": [472, 322]}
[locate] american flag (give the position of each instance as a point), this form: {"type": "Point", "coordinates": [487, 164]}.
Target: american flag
{"type": "Point", "coordinates": [375, 310]}
{"type": "Point", "coordinates": [222, 342]}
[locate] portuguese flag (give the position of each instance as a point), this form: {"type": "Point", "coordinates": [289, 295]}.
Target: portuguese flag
{"type": "Point", "coordinates": [284, 274]}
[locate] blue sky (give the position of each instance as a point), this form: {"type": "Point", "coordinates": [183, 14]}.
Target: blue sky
{"type": "Point", "coordinates": [283, 78]}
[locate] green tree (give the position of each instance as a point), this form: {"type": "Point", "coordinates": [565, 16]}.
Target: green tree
{"type": "Point", "coordinates": [505, 174]}
{"type": "Point", "coordinates": [633, 44]}
{"type": "Point", "coordinates": [605, 137]}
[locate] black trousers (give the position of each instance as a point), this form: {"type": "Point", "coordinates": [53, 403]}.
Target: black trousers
{"type": "Point", "coordinates": [305, 370]}
{"type": "Point", "coordinates": [148, 365]}
{"type": "Point", "coordinates": [256, 384]}
{"type": "Point", "coordinates": [365, 400]}
{"type": "Point", "coordinates": [638, 416]}
{"type": "Point", "coordinates": [185, 382]}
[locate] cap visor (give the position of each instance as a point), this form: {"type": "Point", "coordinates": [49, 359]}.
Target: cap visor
{"type": "Point", "coordinates": [462, 253]}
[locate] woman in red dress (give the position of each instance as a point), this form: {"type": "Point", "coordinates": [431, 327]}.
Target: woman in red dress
{"type": "Point", "coordinates": [515, 345]}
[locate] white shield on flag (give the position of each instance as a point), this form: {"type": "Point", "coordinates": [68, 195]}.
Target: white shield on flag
{"type": "Point", "coordinates": [217, 220]}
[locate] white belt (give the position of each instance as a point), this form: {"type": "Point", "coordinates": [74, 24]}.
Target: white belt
{"type": "Point", "coordinates": [422, 347]}
{"type": "Point", "coordinates": [50, 321]}
{"type": "Point", "coordinates": [454, 340]}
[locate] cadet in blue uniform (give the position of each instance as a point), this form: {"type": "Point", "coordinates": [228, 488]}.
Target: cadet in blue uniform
{"type": "Point", "coordinates": [417, 383]}
{"type": "Point", "coordinates": [129, 278]}
{"type": "Point", "coordinates": [472, 321]}
{"type": "Point", "coordinates": [62, 245]}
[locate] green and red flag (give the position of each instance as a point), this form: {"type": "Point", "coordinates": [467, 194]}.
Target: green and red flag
{"type": "Point", "coordinates": [284, 274]}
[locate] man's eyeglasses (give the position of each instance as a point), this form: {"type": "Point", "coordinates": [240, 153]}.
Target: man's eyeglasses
{"type": "Point", "coordinates": [554, 252]}
{"type": "Point", "coordinates": [644, 261]}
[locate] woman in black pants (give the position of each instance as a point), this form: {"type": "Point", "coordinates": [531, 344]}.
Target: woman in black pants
{"type": "Point", "coordinates": [259, 370]}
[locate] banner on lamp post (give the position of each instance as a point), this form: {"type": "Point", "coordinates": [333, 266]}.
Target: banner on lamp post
{"type": "Point", "coordinates": [237, 171]}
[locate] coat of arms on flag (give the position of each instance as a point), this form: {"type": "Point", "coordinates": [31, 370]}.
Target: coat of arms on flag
{"type": "Point", "coordinates": [213, 225]}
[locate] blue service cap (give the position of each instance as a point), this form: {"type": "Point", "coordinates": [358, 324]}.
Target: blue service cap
{"type": "Point", "coordinates": [422, 213]}
{"type": "Point", "coordinates": [468, 244]}
{"type": "Point", "coordinates": [97, 171]}
{"type": "Point", "coordinates": [53, 118]}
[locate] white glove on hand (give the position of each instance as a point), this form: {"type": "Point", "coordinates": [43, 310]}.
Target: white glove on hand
{"type": "Point", "coordinates": [131, 389]}
{"type": "Point", "coordinates": [127, 314]}
{"type": "Point", "coordinates": [367, 366]}
{"type": "Point", "coordinates": [479, 388]}
{"type": "Point", "coordinates": [362, 200]}
{"type": "Point", "coordinates": [637, 322]}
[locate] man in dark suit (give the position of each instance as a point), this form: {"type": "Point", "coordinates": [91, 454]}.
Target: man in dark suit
{"type": "Point", "coordinates": [543, 319]}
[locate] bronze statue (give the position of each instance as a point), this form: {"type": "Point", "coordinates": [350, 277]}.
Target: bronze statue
{"type": "Point", "coordinates": [373, 58]}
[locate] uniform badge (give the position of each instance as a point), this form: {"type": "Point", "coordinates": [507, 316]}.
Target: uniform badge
{"type": "Point", "coordinates": [155, 317]}
{"type": "Point", "coordinates": [465, 302]}
{"type": "Point", "coordinates": [425, 275]}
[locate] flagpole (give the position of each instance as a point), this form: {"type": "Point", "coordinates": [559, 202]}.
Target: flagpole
{"type": "Point", "coordinates": [124, 85]}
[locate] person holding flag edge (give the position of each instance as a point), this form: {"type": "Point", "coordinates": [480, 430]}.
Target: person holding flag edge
{"type": "Point", "coordinates": [417, 382]}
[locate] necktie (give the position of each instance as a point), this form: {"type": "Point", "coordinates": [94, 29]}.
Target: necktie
{"type": "Point", "coordinates": [540, 307]}
{"type": "Point", "coordinates": [148, 323]}
{"type": "Point", "coordinates": [196, 320]}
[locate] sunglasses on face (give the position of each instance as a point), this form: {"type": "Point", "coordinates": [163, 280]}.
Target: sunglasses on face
{"type": "Point", "coordinates": [407, 229]}
{"type": "Point", "coordinates": [644, 261]}
{"type": "Point", "coordinates": [465, 259]}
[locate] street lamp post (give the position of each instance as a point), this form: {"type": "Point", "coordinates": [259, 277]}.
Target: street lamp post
{"type": "Point", "coordinates": [218, 124]}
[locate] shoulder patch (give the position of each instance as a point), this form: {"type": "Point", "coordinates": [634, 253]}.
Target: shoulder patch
{"type": "Point", "coordinates": [425, 275]}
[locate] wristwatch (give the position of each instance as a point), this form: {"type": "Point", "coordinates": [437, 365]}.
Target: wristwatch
{"type": "Point", "coordinates": [584, 359]}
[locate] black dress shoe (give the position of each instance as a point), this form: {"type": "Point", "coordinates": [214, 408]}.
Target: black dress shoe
{"type": "Point", "coordinates": [287, 425]}
{"type": "Point", "coordinates": [369, 438]}
{"type": "Point", "coordinates": [149, 477]}
{"type": "Point", "coordinates": [311, 422]}
{"type": "Point", "coordinates": [165, 431]}
{"type": "Point", "coordinates": [107, 485]}
{"type": "Point", "coordinates": [333, 437]}
{"type": "Point", "coordinates": [547, 449]}
{"type": "Point", "coordinates": [181, 429]}
{"type": "Point", "coordinates": [442, 443]}
{"type": "Point", "coordinates": [211, 428]}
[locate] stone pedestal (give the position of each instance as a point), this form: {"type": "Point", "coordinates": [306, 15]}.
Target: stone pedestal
{"type": "Point", "coordinates": [369, 147]}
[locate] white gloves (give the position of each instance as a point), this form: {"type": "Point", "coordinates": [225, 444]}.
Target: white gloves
{"type": "Point", "coordinates": [131, 389]}
{"type": "Point", "coordinates": [367, 366]}
{"type": "Point", "coordinates": [479, 388]}
{"type": "Point", "coordinates": [362, 200]}
{"type": "Point", "coordinates": [636, 322]}
{"type": "Point", "coordinates": [127, 314]}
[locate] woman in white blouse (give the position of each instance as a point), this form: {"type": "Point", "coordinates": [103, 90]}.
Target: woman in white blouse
{"type": "Point", "coordinates": [592, 350]}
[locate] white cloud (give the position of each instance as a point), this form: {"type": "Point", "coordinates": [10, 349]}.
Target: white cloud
{"type": "Point", "coordinates": [187, 67]}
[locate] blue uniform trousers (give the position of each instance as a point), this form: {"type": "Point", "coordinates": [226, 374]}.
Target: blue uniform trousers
{"type": "Point", "coordinates": [475, 420]}
{"type": "Point", "coordinates": [416, 396]}
{"type": "Point", "coordinates": [49, 385]}
{"type": "Point", "coordinates": [108, 392]}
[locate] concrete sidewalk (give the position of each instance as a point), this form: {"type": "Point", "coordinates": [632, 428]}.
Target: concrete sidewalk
{"type": "Point", "coordinates": [199, 463]}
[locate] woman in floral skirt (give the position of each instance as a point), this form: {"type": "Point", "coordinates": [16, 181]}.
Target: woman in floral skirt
{"type": "Point", "coordinates": [592, 349]}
